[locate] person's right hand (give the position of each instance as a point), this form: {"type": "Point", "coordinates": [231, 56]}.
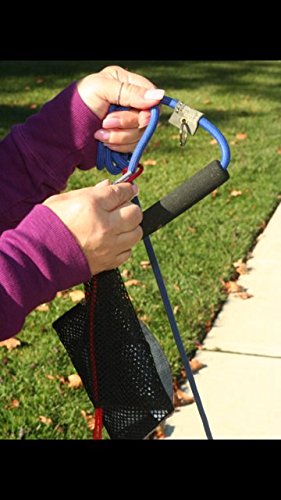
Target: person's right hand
{"type": "Point", "coordinates": [103, 220]}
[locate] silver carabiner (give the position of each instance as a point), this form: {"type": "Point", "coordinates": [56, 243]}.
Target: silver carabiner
{"type": "Point", "coordinates": [183, 132]}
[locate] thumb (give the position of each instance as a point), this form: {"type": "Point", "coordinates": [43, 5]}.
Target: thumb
{"type": "Point", "coordinates": [116, 195]}
{"type": "Point", "coordinates": [130, 95]}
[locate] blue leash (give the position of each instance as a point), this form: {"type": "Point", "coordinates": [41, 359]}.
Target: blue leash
{"type": "Point", "coordinates": [115, 163]}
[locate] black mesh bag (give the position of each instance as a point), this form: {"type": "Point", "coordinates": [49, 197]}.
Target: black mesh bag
{"type": "Point", "coordinates": [123, 369]}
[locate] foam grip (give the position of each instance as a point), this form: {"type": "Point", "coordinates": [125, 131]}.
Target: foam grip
{"type": "Point", "coordinates": [185, 196]}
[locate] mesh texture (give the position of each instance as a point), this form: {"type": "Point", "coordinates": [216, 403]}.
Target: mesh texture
{"type": "Point", "coordinates": [110, 351]}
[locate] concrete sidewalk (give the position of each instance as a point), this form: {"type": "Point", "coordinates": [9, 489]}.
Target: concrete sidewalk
{"type": "Point", "coordinates": [240, 387]}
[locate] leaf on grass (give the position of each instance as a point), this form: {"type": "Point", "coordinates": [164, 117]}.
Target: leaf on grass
{"type": "Point", "coordinates": [144, 318]}
{"type": "Point", "coordinates": [10, 343]}
{"type": "Point", "coordinates": [176, 287]}
{"type": "Point", "coordinates": [126, 273]}
{"type": "Point", "coordinates": [243, 295]}
{"type": "Point", "coordinates": [213, 142]}
{"type": "Point", "coordinates": [134, 283]}
{"type": "Point", "coordinates": [175, 136]}
{"type": "Point", "coordinates": [191, 229]}
{"type": "Point", "coordinates": [240, 136]}
{"type": "Point", "coordinates": [207, 101]}
{"type": "Point", "coordinates": [59, 295]}
{"type": "Point", "coordinates": [39, 80]}
{"type": "Point", "coordinates": [150, 162]}
{"type": "Point", "coordinates": [145, 264]}
{"type": "Point", "coordinates": [196, 365]}
{"type": "Point", "coordinates": [235, 193]}
{"type": "Point", "coordinates": [45, 420]}
{"type": "Point", "coordinates": [240, 267]}
{"type": "Point", "coordinates": [176, 309]}
{"type": "Point", "coordinates": [214, 193]}
{"type": "Point", "coordinates": [74, 381]}
{"type": "Point", "coordinates": [43, 308]}
{"type": "Point", "coordinates": [279, 151]}
{"type": "Point", "coordinates": [89, 419]}
{"type": "Point", "coordinates": [76, 295]}
{"type": "Point", "coordinates": [12, 405]}
{"type": "Point", "coordinates": [33, 106]}
{"type": "Point", "coordinates": [50, 377]}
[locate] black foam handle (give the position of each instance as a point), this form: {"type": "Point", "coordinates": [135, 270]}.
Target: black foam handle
{"type": "Point", "coordinates": [185, 196]}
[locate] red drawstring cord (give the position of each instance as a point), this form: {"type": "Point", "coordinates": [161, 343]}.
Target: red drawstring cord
{"type": "Point", "coordinates": [98, 424]}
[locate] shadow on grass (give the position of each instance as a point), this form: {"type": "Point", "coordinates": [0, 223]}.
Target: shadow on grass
{"type": "Point", "coordinates": [253, 78]}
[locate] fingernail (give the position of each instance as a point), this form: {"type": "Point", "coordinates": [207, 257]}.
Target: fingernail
{"type": "Point", "coordinates": [155, 94]}
{"type": "Point", "coordinates": [135, 189]}
{"type": "Point", "coordinates": [102, 135]}
{"type": "Point", "coordinates": [111, 122]}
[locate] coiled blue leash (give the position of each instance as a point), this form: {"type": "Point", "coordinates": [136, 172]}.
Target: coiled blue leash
{"type": "Point", "coordinates": [116, 163]}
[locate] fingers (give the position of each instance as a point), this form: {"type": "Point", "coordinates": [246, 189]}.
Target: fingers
{"type": "Point", "coordinates": [126, 218]}
{"type": "Point", "coordinates": [131, 95]}
{"type": "Point", "coordinates": [126, 119]}
{"type": "Point", "coordinates": [119, 137]}
{"type": "Point", "coordinates": [123, 129]}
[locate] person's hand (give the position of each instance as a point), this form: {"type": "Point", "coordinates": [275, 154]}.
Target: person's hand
{"type": "Point", "coordinates": [103, 220]}
{"type": "Point", "coordinates": [121, 130]}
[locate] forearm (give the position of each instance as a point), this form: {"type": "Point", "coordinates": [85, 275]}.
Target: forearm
{"type": "Point", "coordinates": [37, 259]}
{"type": "Point", "coordinates": [37, 157]}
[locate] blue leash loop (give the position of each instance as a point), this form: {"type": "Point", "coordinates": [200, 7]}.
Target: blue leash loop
{"type": "Point", "coordinates": [115, 163]}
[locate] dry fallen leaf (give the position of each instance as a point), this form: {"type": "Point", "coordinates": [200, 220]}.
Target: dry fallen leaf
{"type": "Point", "coordinates": [213, 142]}
{"type": "Point", "coordinates": [240, 267]}
{"type": "Point", "coordinates": [89, 419]}
{"type": "Point", "coordinates": [232, 287]}
{"type": "Point", "coordinates": [240, 136]}
{"type": "Point", "coordinates": [74, 381]}
{"type": "Point", "coordinates": [150, 162]}
{"type": "Point", "coordinates": [40, 80]}
{"type": "Point", "coordinates": [43, 308]}
{"type": "Point", "coordinates": [134, 283]}
{"type": "Point", "coordinates": [59, 295]}
{"type": "Point", "coordinates": [181, 398]}
{"type": "Point", "coordinates": [176, 287]}
{"type": "Point", "coordinates": [196, 365]}
{"type": "Point", "coordinates": [145, 264]}
{"type": "Point", "coordinates": [50, 377]}
{"type": "Point", "coordinates": [144, 318]}
{"type": "Point", "coordinates": [235, 193]}
{"type": "Point", "coordinates": [76, 295]}
{"type": "Point", "coordinates": [10, 343]}
{"type": "Point", "coordinates": [191, 229]}
{"type": "Point", "coordinates": [214, 193]}
{"type": "Point", "coordinates": [126, 273]}
{"type": "Point", "coordinates": [12, 405]}
{"type": "Point", "coordinates": [45, 420]}
{"type": "Point", "coordinates": [243, 295]}
{"type": "Point", "coordinates": [279, 151]}
{"type": "Point", "coordinates": [176, 309]}
{"type": "Point", "coordinates": [207, 101]}
{"type": "Point", "coordinates": [33, 106]}
{"type": "Point", "coordinates": [159, 432]}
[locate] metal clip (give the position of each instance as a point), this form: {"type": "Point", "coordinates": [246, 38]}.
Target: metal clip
{"type": "Point", "coordinates": [186, 118]}
{"type": "Point", "coordinates": [183, 132]}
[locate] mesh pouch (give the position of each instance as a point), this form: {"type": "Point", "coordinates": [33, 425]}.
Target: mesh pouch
{"type": "Point", "coordinates": [122, 366]}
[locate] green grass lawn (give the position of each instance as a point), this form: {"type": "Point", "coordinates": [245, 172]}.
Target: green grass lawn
{"type": "Point", "coordinates": [195, 252]}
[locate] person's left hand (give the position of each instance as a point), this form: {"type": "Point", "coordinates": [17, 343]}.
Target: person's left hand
{"type": "Point", "coordinates": [121, 130]}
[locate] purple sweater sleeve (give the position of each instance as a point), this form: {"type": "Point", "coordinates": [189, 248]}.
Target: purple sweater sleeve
{"type": "Point", "coordinates": [37, 157]}
{"type": "Point", "coordinates": [37, 259]}
{"type": "Point", "coordinates": [38, 254]}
